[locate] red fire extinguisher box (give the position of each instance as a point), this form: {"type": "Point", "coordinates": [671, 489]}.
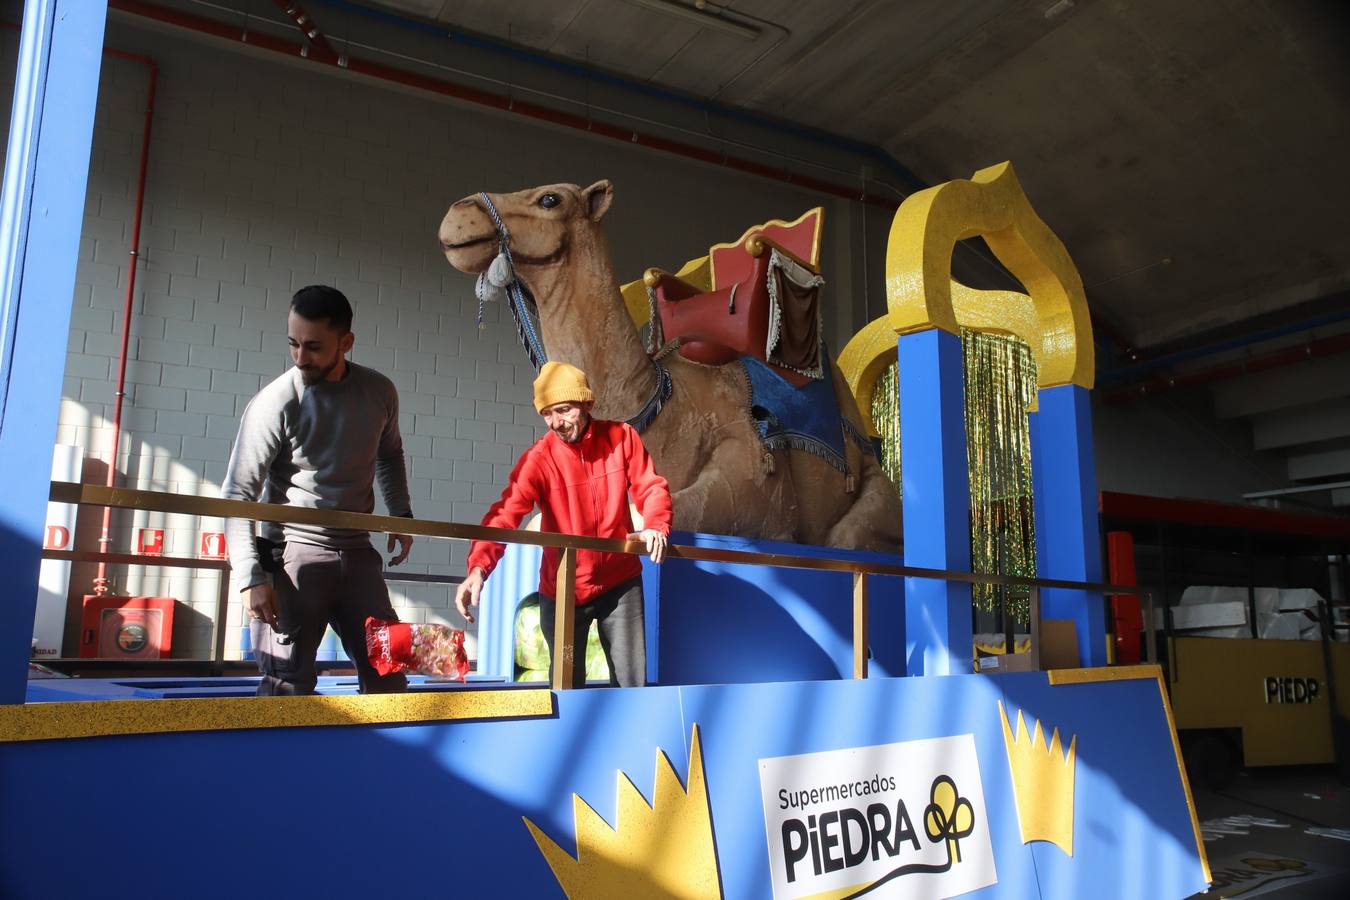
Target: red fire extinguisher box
{"type": "Point", "coordinates": [126, 627]}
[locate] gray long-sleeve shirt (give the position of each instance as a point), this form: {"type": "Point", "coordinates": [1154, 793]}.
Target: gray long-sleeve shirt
{"type": "Point", "coordinates": [319, 446]}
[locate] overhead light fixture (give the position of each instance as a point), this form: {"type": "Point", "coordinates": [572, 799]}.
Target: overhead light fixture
{"type": "Point", "coordinates": [700, 17]}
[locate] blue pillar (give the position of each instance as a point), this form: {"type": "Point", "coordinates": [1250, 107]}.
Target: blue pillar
{"type": "Point", "coordinates": [936, 490]}
{"type": "Point", "coordinates": [41, 212]}
{"type": "Point", "coordinates": [1068, 537]}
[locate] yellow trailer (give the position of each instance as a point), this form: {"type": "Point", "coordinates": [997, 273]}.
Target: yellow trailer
{"type": "Point", "coordinates": [1275, 695]}
{"type": "Point", "coordinates": [1240, 699]}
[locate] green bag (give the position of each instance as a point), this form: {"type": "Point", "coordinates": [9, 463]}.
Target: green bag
{"type": "Point", "coordinates": [532, 659]}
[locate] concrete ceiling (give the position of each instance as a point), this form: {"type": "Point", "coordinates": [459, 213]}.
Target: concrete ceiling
{"type": "Point", "coordinates": [1209, 135]}
{"type": "Point", "coordinates": [1192, 156]}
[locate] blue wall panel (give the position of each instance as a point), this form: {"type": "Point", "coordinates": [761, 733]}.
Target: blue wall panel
{"type": "Point", "coordinates": [1068, 536]}
{"type": "Point", "coordinates": [1132, 828]}
{"type": "Point", "coordinates": [733, 624]}
{"type": "Point", "coordinates": [715, 623]}
{"type": "Point", "coordinates": [46, 170]}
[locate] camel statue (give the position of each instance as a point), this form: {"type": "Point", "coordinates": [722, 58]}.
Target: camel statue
{"type": "Point", "coordinates": [703, 440]}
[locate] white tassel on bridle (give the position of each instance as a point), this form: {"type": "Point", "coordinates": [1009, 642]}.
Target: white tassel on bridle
{"type": "Point", "coordinates": [493, 282]}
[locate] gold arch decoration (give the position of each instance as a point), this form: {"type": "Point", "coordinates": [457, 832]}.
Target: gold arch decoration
{"type": "Point", "coordinates": [1013, 343]}
{"type": "Point", "coordinates": [1052, 317]}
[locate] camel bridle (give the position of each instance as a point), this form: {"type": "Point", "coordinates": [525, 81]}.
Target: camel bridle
{"type": "Point", "coordinates": [501, 275]}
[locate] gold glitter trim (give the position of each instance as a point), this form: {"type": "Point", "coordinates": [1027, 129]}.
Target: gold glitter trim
{"type": "Point", "coordinates": [101, 718]}
{"type": "Point", "coordinates": [1103, 673]}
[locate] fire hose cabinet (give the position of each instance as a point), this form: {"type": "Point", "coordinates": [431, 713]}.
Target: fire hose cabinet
{"type": "Point", "coordinates": [126, 627]}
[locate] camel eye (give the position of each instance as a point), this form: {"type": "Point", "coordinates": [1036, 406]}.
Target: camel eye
{"type": "Point", "coordinates": [548, 201]}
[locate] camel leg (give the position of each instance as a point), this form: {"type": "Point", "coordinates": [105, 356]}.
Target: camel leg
{"type": "Point", "coordinates": [747, 502]}
{"type": "Point", "coordinates": [874, 521]}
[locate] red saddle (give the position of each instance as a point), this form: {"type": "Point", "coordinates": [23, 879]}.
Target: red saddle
{"type": "Point", "coordinates": [738, 316]}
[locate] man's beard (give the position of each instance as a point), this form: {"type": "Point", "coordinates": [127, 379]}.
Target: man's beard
{"type": "Point", "coordinates": [311, 375]}
{"type": "Point", "coordinates": [578, 432]}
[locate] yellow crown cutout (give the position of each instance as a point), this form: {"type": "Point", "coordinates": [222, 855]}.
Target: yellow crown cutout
{"type": "Point", "coordinates": [1042, 783]}
{"type": "Point", "coordinates": [662, 850]}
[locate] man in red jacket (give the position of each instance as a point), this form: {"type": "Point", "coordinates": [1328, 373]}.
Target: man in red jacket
{"type": "Point", "coordinates": [580, 475]}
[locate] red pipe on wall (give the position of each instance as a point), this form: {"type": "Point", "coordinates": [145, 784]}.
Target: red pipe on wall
{"type": "Point", "coordinates": [119, 392]}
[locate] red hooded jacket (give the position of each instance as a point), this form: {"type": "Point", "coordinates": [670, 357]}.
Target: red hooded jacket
{"type": "Point", "coordinates": [581, 489]}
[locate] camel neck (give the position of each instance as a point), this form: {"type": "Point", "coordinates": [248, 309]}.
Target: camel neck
{"type": "Point", "coordinates": [585, 323]}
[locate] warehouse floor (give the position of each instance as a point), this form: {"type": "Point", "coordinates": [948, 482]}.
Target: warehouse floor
{"type": "Point", "coordinates": [1282, 833]}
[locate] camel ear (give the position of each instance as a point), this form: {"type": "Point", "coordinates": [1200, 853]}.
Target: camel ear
{"type": "Point", "coordinates": [598, 197]}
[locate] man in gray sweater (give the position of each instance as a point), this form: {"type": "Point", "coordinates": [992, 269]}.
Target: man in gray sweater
{"type": "Point", "coordinates": [318, 437]}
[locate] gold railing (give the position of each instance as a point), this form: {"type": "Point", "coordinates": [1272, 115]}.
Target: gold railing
{"type": "Point", "coordinates": [564, 655]}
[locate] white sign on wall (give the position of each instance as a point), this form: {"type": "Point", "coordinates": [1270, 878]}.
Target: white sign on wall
{"type": "Point", "coordinates": [894, 820]}
{"type": "Point", "coordinates": [49, 621]}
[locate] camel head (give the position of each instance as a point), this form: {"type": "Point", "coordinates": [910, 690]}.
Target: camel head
{"type": "Point", "coordinates": [561, 255]}
{"type": "Point", "coordinates": [544, 224]}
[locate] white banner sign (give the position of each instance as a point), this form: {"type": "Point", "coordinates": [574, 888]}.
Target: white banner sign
{"type": "Point", "coordinates": [895, 820]}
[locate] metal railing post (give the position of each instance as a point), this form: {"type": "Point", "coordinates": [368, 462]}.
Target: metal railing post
{"type": "Point", "coordinates": [859, 625]}
{"type": "Point", "coordinates": [220, 632]}
{"type": "Point", "coordinates": [564, 621]}
{"type": "Point", "coordinates": [1150, 632]}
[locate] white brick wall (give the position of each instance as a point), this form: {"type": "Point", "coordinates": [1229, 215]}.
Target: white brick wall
{"type": "Point", "coordinates": [265, 178]}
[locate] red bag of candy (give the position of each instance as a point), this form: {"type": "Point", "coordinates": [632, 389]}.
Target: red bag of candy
{"type": "Point", "coordinates": [423, 649]}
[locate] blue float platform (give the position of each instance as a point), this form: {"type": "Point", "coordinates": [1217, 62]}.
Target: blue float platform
{"type": "Point", "coordinates": [328, 795]}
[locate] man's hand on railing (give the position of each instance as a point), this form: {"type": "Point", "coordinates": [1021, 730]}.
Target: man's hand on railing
{"type": "Point", "coordinates": [655, 541]}
{"type": "Point", "coordinates": [466, 594]}
{"type": "Point", "coordinates": [262, 603]}
{"type": "Point", "coordinates": [405, 542]}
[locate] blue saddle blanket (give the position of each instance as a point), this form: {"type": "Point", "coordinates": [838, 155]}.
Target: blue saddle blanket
{"type": "Point", "coordinates": [800, 418]}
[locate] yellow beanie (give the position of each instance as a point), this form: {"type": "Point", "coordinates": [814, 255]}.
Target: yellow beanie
{"type": "Point", "coordinates": [560, 383]}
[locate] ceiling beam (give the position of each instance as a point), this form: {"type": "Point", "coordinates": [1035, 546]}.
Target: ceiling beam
{"type": "Point", "coordinates": [1302, 425]}
{"type": "Point", "coordinates": [1313, 381]}
{"type": "Point", "coordinates": [1321, 464]}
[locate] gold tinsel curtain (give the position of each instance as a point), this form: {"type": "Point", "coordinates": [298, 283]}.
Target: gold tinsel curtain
{"type": "Point", "coordinates": [1000, 386]}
